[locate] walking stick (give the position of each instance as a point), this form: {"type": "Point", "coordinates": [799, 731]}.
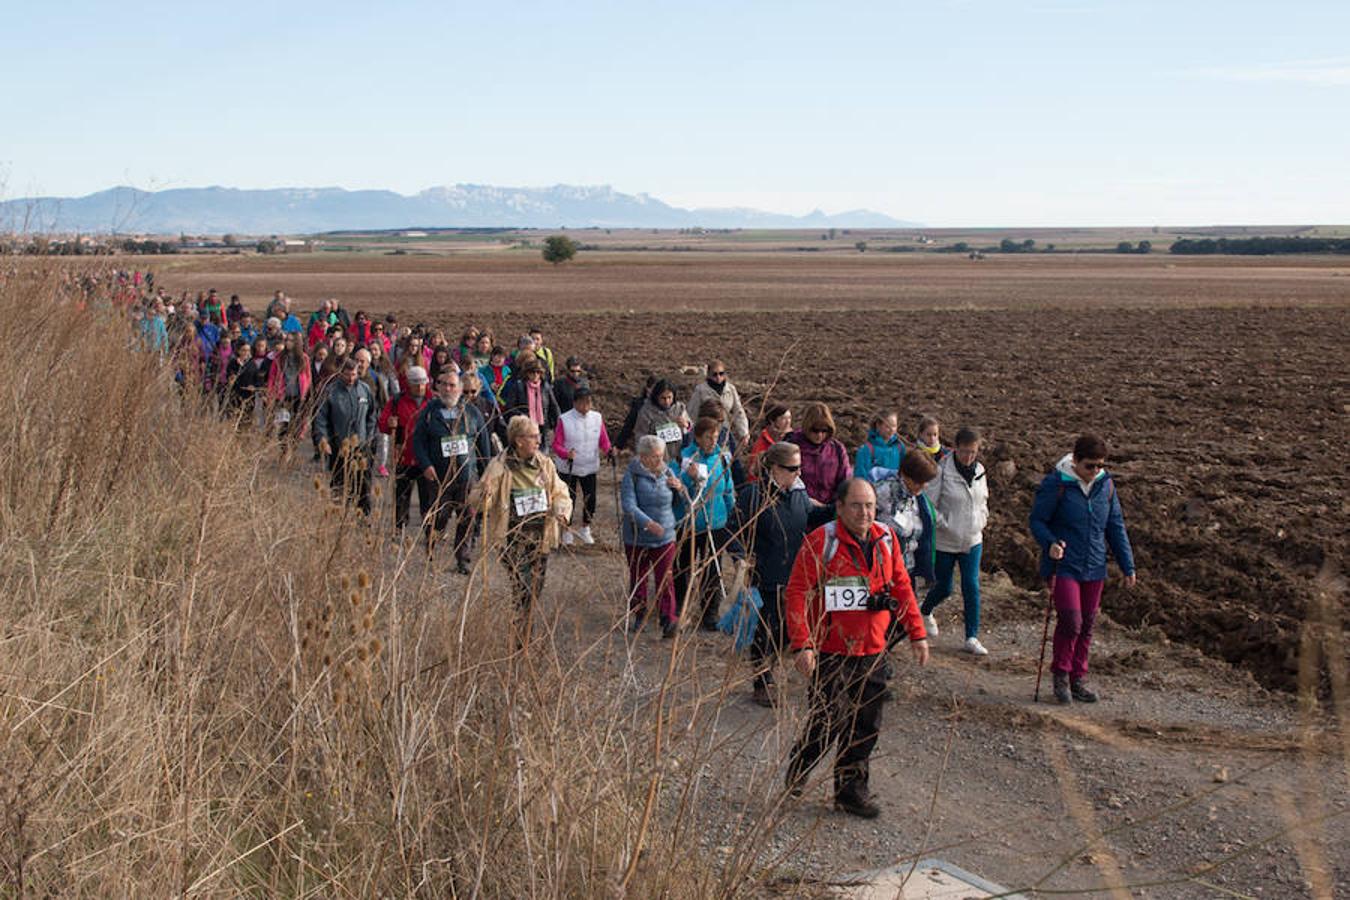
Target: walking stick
{"type": "Point", "coordinates": [618, 506]}
{"type": "Point", "coordinates": [1045, 631]}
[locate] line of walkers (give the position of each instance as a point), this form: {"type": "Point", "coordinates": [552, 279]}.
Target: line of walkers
{"type": "Point", "coordinates": [833, 544]}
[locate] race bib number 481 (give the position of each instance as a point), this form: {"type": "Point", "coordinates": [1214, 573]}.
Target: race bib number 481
{"type": "Point", "coordinates": [457, 445]}
{"type": "Point", "coordinates": [846, 594]}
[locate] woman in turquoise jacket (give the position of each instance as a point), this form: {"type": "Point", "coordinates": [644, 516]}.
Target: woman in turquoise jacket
{"type": "Point", "coordinates": [705, 471]}
{"type": "Point", "coordinates": [879, 456]}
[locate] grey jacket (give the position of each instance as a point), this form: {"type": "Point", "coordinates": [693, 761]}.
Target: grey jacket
{"type": "Point", "coordinates": [346, 412]}
{"type": "Point", "coordinates": [730, 399]}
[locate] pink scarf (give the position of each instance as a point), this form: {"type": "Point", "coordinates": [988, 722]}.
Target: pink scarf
{"type": "Point", "coordinates": [536, 401]}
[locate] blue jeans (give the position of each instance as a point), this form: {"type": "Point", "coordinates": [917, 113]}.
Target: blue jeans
{"type": "Point", "coordinates": [969, 563]}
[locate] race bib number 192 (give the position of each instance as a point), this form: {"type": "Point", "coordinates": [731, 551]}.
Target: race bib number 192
{"type": "Point", "coordinates": [846, 594]}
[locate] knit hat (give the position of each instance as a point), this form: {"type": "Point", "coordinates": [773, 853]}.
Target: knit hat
{"type": "Point", "coordinates": [417, 375]}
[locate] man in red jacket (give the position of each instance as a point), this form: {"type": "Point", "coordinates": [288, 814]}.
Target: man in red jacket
{"type": "Point", "coordinates": [397, 419]}
{"type": "Point", "coordinates": [848, 590]}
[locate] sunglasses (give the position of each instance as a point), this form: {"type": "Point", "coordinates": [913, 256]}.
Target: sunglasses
{"type": "Point", "coordinates": [470, 393]}
{"type": "Point", "coordinates": [796, 468]}
{"type": "Point", "coordinates": [718, 374]}
{"type": "Point", "coordinates": [1092, 466]}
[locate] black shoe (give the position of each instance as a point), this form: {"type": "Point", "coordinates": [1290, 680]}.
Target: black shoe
{"type": "Point", "coordinates": [856, 803]}
{"type": "Point", "coordinates": [1062, 687]}
{"type": "Point", "coordinates": [636, 622]}
{"type": "Point", "coordinates": [668, 628]}
{"type": "Point", "coordinates": [707, 625]}
{"type": "Point", "coordinates": [795, 786]}
{"type": "Point", "coordinates": [763, 695]}
{"type": "Point", "coordinates": [461, 567]}
{"type": "Point", "coordinates": [1081, 692]}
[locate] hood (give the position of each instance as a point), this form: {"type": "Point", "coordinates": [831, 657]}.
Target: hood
{"type": "Point", "coordinates": [638, 470]}
{"type": "Point", "coordinates": [1066, 473]}
{"type": "Point", "coordinates": [875, 438]}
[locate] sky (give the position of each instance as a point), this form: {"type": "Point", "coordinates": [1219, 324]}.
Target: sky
{"type": "Point", "coordinates": [956, 113]}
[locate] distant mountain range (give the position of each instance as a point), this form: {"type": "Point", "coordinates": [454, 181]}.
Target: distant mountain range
{"type": "Point", "coordinates": [219, 210]}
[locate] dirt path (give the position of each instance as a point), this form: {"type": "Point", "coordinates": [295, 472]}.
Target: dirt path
{"type": "Point", "coordinates": [1185, 764]}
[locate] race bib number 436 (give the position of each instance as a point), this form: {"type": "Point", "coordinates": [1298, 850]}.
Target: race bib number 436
{"type": "Point", "coordinates": [669, 433]}
{"type": "Point", "coordinates": [846, 594]}
{"type": "Point", "coordinates": [529, 503]}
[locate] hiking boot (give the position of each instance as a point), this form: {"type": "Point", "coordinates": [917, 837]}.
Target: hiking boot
{"type": "Point", "coordinates": [930, 625]}
{"type": "Point", "coordinates": [707, 624]}
{"type": "Point", "coordinates": [461, 567]}
{"type": "Point", "coordinates": [669, 628]}
{"type": "Point", "coordinates": [974, 647]}
{"type": "Point", "coordinates": [856, 802]}
{"type": "Point", "coordinates": [1062, 687]}
{"type": "Point", "coordinates": [382, 471]}
{"type": "Point", "coordinates": [585, 535]}
{"type": "Point", "coordinates": [1081, 692]}
{"type": "Point", "coordinates": [636, 622]}
{"type": "Point", "coordinates": [763, 695]}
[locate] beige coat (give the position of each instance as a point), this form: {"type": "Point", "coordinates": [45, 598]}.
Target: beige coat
{"type": "Point", "coordinates": [492, 494]}
{"type": "Point", "coordinates": [730, 399]}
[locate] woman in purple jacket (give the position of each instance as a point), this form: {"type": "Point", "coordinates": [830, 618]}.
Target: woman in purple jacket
{"type": "Point", "coordinates": [825, 463]}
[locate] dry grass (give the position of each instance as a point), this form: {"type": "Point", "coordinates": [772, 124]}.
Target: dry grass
{"type": "Point", "coordinates": [216, 682]}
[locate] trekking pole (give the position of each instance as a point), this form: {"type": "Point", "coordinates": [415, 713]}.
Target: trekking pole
{"type": "Point", "coordinates": [618, 506]}
{"type": "Point", "coordinates": [1045, 630]}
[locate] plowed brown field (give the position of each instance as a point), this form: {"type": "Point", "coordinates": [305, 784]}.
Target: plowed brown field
{"type": "Point", "coordinates": [1221, 384]}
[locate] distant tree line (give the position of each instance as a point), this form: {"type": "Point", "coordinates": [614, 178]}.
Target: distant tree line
{"type": "Point", "coordinates": [1259, 246]}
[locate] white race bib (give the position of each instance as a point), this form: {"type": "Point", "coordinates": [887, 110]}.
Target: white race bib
{"type": "Point", "coordinates": [529, 502]}
{"type": "Point", "coordinates": [669, 433]}
{"type": "Point", "coordinates": [456, 445]}
{"type": "Point", "coordinates": [283, 416]}
{"type": "Point", "coordinates": [846, 594]}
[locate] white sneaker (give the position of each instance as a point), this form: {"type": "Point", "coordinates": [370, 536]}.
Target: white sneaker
{"type": "Point", "coordinates": [975, 648]}
{"type": "Point", "coordinates": [568, 538]}
{"type": "Point", "coordinates": [585, 535]}
{"type": "Point", "coordinates": [930, 625]}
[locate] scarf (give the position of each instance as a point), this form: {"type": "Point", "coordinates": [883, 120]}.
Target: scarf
{"type": "Point", "coordinates": [535, 398]}
{"type": "Point", "coordinates": [966, 472]}
{"type": "Point", "coordinates": [717, 386]}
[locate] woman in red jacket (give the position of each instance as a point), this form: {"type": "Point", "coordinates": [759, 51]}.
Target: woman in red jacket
{"type": "Point", "coordinates": [397, 419]}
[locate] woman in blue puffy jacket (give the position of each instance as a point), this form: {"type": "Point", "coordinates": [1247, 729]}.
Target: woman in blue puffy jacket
{"type": "Point", "coordinates": [878, 457]}
{"type": "Point", "coordinates": [1076, 518]}
{"type": "Point", "coordinates": [647, 508]}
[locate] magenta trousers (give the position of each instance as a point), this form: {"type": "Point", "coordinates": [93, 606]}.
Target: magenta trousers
{"type": "Point", "coordinates": [1076, 605]}
{"type": "Point", "coordinates": [655, 562]}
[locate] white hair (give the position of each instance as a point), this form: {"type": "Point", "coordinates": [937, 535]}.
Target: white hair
{"type": "Point", "coordinates": [650, 444]}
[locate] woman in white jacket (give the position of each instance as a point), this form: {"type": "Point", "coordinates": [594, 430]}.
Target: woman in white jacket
{"type": "Point", "coordinates": [960, 496]}
{"type": "Point", "coordinates": [579, 441]}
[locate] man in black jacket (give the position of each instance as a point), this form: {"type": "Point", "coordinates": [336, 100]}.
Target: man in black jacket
{"type": "Point", "coordinates": [452, 446]}
{"type": "Point", "coordinates": [345, 431]}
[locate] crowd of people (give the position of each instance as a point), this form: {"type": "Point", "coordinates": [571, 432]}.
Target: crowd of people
{"type": "Point", "coordinates": [496, 436]}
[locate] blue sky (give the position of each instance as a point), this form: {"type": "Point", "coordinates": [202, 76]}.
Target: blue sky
{"type": "Point", "coordinates": [1042, 112]}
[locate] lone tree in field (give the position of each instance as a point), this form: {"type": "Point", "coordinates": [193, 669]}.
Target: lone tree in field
{"type": "Point", "coordinates": [559, 249]}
